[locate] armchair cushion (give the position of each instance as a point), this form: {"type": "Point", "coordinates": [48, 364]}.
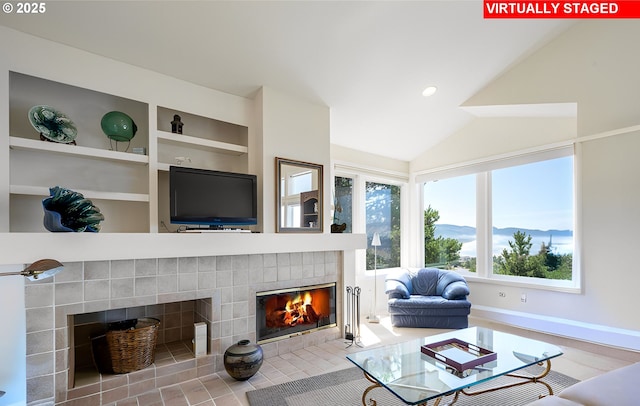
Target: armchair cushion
{"type": "Point", "coordinates": [425, 282]}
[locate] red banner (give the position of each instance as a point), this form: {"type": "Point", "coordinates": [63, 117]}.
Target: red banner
{"type": "Point", "coordinates": [561, 9]}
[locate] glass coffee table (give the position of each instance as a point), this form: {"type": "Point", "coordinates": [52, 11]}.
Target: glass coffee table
{"type": "Point", "coordinates": [416, 378]}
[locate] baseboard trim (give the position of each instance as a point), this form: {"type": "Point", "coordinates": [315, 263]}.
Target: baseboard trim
{"type": "Point", "coordinates": [594, 333]}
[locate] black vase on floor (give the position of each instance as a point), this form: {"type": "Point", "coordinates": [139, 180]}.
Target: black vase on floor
{"type": "Point", "coordinates": [243, 360]}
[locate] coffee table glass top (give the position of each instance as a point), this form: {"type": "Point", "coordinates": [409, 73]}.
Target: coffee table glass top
{"type": "Point", "coordinates": [415, 377]}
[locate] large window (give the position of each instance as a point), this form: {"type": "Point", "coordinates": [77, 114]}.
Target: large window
{"type": "Point", "coordinates": [382, 215]}
{"type": "Point", "coordinates": [526, 229]}
{"type": "Point", "coordinates": [532, 211]}
{"type": "Point", "coordinates": [450, 223]}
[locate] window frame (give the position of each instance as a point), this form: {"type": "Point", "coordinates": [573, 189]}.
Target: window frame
{"type": "Point", "coordinates": [360, 178]}
{"type": "Point", "coordinates": [484, 236]}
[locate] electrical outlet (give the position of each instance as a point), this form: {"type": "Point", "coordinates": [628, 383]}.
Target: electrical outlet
{"type": "Point", "coordinates": [502, 294]}
{"type": "Point", "coordinates": [523, 298]}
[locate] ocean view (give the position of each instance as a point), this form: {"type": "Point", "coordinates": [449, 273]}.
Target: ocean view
{"type": "Point", "coordinates": [561, 240]}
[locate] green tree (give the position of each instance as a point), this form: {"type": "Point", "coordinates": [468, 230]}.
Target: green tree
{"type": "Point", "coordinates": [518, 261]}
{"type": "Point", "coordinates": [565, 268]}
{"type": "Point", "coordinates": [431, 252]}
{"type": "Point", "coordinates": [438, 251]}
{"type": "Point", "coordinates": [470, 264]}
{"type": "Point", "coordinates": [551, 261]}
{"type": "Point", "coordinates": [383, 215]}
{"type": "Point", "coordinates": [343, 208]}
{"type": "Point", "coordinates": [559, 266]}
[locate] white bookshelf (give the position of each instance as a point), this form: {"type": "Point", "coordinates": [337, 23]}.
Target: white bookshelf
{"type": "Point", "coordinates": [131, 189]}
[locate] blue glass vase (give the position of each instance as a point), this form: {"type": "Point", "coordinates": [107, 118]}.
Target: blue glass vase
{"type": "Point", "coordinates": [69, 211]}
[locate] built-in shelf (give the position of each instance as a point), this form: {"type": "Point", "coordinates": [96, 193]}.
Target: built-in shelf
{"type": "Point", "coordinates": [133, 187]}
{"type": "Point", "coordinates": [201, 143]}
{"type": "Point", "coordinates": [162, 167]}
{"type": "Point", "coordinates": [89, 194]}
{"type": "Point", "coordinates": [19, 143]}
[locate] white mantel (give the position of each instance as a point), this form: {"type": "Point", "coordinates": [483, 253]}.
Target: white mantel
{"type": "Point", "coordinates": [21, 248]}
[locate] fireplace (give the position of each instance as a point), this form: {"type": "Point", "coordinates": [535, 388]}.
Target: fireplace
{"type": "Point", "coordinates": [220, 290]}
{"type": "Point", "coordinates": [289, 312]}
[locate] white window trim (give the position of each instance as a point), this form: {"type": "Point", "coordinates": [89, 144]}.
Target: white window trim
{"type": "Point", "coordinates": [481, 168]}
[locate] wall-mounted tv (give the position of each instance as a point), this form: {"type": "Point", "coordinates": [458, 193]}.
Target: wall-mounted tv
{"type": "Point", "coordinates": [212, 198]}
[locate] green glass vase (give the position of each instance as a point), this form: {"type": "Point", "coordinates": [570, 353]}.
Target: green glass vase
{"type": "Point", "coordinates": [118, 126]}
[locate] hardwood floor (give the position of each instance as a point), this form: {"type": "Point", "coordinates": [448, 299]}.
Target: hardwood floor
{"type": "Point", "coordinates": [581, 360]}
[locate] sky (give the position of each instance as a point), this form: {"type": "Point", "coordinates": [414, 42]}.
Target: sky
{"type": "Point", "coordinates": [534, 196]}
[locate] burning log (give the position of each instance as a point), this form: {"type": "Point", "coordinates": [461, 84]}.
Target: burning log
{"type": "Point", "coordinates": [295, 312]}
{"type": "Point", "coordinates": [311, 315]}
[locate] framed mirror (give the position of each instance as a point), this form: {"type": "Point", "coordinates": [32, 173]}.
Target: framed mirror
{"type": "Point", "coordinates": [299, 197]}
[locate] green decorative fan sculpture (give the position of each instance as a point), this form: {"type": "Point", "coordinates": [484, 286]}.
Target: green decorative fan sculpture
{"type": "Point", "coordinates": [66, 210]}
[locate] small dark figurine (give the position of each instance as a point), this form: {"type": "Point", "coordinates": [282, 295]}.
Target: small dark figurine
{"type": "Point", "coordinates": [176, 125]}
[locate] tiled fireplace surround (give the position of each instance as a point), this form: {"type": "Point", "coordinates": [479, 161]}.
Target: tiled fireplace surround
{"type": "Point", "coordinates": [224, 285]}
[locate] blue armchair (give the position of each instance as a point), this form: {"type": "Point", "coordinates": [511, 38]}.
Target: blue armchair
{"type": "Point", "coordinates": [429, 297]}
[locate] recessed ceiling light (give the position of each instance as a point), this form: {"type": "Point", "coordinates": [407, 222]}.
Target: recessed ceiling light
{"type": "Point", "coordinates": [429, 91]}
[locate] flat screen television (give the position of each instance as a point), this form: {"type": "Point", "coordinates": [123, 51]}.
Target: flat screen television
{"type": "Point", "coordinates": [212, 198]}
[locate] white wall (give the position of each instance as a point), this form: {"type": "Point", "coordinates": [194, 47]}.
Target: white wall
{"type": "Point", "coordinates": [493, 136]}
{"type": "Point", "coordinates": [346, 156]}
{"type": "Point", "coordinates": [13, 347]}
{"type": "Point", "coordinates": [591, 64]}
{"type": "Point", "coordinates": [4, 152]}
{"type": "Point", "coordinates": [611, 213]}
{"type": "Point", "coordinates": [292, 129]}
{"type": "Point", "coordinates": [25, 54]}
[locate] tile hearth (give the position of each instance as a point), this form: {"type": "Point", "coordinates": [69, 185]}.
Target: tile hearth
{"type": "Point", "coordinates": [580, 360]}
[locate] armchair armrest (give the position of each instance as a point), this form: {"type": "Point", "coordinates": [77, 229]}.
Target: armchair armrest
{"type": "Point", "coordinates": [398, 285]}
{"type": "Point", "coordinates": [456, 290]}
{"type": "Point", "coordinates": [396, 289]}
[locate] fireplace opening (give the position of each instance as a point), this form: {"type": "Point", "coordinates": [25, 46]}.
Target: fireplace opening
{"type": "Point", "coordinates": [174, 342]}
{"type": "Point", "coordinates": [288, 312]}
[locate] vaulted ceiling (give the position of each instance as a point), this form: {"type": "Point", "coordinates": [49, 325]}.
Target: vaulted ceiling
{"type": "Point", "coordinates": [368, 61]}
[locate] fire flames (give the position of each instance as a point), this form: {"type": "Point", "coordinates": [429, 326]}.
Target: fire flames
{"type": "Point", "coordinates": [298, 310]}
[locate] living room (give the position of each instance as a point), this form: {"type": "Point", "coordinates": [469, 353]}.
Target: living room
{"type": "Point", "coordinates": [589, 68]}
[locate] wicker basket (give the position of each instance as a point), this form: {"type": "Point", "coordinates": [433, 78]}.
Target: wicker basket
{"type": "Point", "coordinates": [122, 351]}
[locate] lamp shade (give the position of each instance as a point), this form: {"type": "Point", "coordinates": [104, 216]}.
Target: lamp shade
{"type": "Point", "coordinates": [41, 269]}
{"type": "Point", "coordinates": [375, 241]}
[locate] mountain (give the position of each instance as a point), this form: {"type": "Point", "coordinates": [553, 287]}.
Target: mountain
{"type": "Point", "coordinates": [466, 233]}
